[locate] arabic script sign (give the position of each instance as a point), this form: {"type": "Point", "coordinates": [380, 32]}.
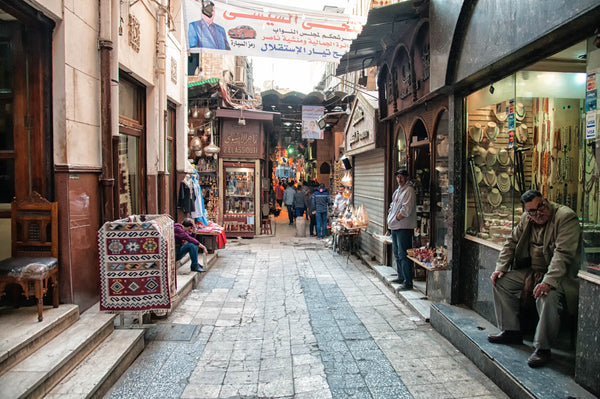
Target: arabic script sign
{"type": "Point", "coordinates": [241, 141]}
{"type": "Point", "coordinates": [277, 33]}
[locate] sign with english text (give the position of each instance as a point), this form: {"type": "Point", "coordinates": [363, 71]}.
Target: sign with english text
{"type": "Point", "coordinates": [226, 28]}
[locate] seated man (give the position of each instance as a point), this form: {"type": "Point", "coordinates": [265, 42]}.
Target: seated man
{"type": "Point", "coordinates": [185, 243]}
{"type": "Point", "coordinates": [540, 259]}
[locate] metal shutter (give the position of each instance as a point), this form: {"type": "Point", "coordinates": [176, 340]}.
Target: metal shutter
{"type": "Point", "coordinates": [369, 190]}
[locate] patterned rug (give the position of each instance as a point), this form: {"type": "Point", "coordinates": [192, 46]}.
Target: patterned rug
{"type": "Point", "coordinates": [137, 264]}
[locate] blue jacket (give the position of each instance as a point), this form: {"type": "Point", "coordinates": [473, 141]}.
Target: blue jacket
{"type": "Point", "coordinates": [320, 200]}
{"type": "Point", "coordinates": [199, 36]}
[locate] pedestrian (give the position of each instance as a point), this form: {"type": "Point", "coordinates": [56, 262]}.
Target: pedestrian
{"type": "Point", "coordinates": [300, 202]}
{"type": "Point", "coordinates": [339, 203]}
{"type": "Point", "coordinates": [288, 200]}
{"type": "Point", "coordinates": [279, 193]}
{"type": "Point", "coordinates": [539, 261]}
{"type": "Point", "coordinates": [312, 215]}
{"type": "Point", "coordinates": [185, 243]}
{"type": "Point", "coordinates": [402, 220]}
{"type": "Point", "coordinates": [321, 201]}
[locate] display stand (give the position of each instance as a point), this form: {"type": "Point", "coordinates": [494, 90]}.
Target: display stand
{"type": "Point", "coordinates": [346, 240]}
{"type": "Point", "coordinates": [428, 268]}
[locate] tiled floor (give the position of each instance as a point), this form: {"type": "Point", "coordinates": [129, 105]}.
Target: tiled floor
{"type": "Point", "coordinates": [286, 317]}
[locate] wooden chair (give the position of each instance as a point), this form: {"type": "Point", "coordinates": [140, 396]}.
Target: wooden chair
{"type": "Point", "coordinates": [34, 261]}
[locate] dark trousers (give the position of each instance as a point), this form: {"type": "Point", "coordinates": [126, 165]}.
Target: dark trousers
{"type": "Point", "coordinates": [401, 241]}
{"type": "Point", "coordinates": [290, 209]}
{"type": "Point", "coordinates": [313, 224]}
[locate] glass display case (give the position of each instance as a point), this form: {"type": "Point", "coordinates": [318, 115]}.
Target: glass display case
{"type": "Point", "coordinates": [523, 132]}
{"type": "Point", "coordinates": [238, 216]}
{"type": "Point", "coordinates": [441, 195]}
{"type": "Point", "coordinates": [207, 178]}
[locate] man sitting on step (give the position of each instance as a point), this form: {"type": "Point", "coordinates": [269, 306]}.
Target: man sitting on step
{"type": "Point", "coordinates": [185, 243]}
{"type": "Point", "coordinates": [539, 260]}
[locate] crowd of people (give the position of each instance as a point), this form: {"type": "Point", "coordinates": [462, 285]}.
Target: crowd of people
{"type": "Point", "coordinates": [310, 200]}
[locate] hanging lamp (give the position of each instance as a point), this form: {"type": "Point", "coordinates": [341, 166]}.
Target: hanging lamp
{"type": "Point", "coordinates": [211, 149]}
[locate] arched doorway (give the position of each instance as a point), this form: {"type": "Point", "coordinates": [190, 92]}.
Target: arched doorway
{"type": "Point", "coordinates": [419, 166]}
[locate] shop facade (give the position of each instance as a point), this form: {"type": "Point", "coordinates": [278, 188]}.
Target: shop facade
{"type": "Point", "coordinates": [244, 173]}
{"type": "Point", "coordinates": [95, 129]}
{"type": "Point", "coordinates": [517, 121]}
{"type": "Point", "coordinates": [364, 145]}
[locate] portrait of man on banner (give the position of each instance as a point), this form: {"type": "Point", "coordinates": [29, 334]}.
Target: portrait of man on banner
{"type": "Point", "coordinates": [205, 32]}
{"type": "Point", "coordinates": [310, 116]}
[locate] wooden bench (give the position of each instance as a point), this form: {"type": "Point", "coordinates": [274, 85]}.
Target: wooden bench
{"type": "Point", "coordinates": [34, 261]}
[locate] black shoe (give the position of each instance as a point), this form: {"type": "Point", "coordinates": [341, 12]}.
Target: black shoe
{"type": "Point", "coordinates": [506, 337]}
{"type": "Point", "coordinates": [404, 287]}
{"type": "Point", "coordinates": [396, 281]}
{"type": "Point", "coordinates": [539, 358]}
{"type": "Point", "coordinates": [198, 269]}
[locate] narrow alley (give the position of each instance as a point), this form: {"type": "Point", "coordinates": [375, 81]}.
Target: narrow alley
{"type": "Point", "coordinates": [286, 317]}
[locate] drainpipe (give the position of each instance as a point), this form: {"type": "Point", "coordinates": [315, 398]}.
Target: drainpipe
{"type": "Point", "coordinates": [161, 52]}
{"type": "Point", "coordinates": [107, 179]}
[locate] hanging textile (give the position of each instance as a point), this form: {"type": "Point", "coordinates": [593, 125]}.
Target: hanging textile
{"type": "Point", "coordinates": [199, 212]}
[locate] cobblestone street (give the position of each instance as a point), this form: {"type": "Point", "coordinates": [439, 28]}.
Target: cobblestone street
{"type": "Point", "coordinates": [286, 317]}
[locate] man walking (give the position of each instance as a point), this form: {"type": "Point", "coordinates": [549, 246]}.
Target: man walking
{"type": "Point", "coordinates": [402, 220]}
{"type": "Point", "coordinates": [288, 201]}
{"type": "Point", "coordinates": [321, 201]}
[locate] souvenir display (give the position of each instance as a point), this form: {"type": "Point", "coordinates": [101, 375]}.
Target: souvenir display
{"type": "Point", "coordinates": [503, 157]}
{"type": "Point", "coordinates": [443, 147]}
{"type": "Point", "coordinates": [520, 111]}
{"type": "Point", "coordinates": [521, 133]}
{"type": "Point", "coordinates": [494, 197]}
{"type": "Point", "coordinates": [478, 174]}
{"type": "Point", "coordinates": [476, 133]}
{"type": "Point", "coordinates": [490, 178]}
{"type": "Point", "coordinates": [500, 112]}
{"type": "Point", "coordinates": [492, 131]}
{"type": "Point", "coordinates": [479, 155]}
{"type": "Point", "coordinates": [490, 158]}
{"type": "Point", "coordinates": [503, 182]}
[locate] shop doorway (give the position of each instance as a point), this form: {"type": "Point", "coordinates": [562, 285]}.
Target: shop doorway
{"type": "Point", "coordinates": [420, 170]}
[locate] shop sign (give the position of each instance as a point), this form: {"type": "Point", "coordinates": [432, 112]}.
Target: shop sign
{"type": "Point", "coordinates": [590, 125]}
{"type": "Point", "coordinates": [591, 96]}
{"type": "Point", "coordinates": [360, 131]}
{"type": "Point", "coordinates": [241, 141]}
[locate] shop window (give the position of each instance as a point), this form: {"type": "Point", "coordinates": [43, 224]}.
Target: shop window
{"type": "Point", "coordinates": [523, 132]}
{"type": "Point", "coordinates": [402, 160]}
{"type": "Point", "coordinates": [440, 188]}
{"type": "Point", "coordinates": [129, 151]}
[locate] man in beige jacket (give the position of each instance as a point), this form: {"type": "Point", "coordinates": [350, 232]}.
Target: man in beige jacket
{"type": "Point", "coordinates": [540, 259]}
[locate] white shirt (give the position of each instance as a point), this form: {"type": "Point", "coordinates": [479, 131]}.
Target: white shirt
{"type": "Point", "coordinates": [404, 203]}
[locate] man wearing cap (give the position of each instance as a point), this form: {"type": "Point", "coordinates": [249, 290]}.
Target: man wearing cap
{"type": "Point", "coordinates": [540, 260]}
{"type": "Point", "coordinates": [205, 33]}
{"type": "Point", "coordinates": [402, 220]}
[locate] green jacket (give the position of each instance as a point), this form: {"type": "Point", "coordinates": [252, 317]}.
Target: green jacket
{"type": "Point", "coordinates": [562, 245]}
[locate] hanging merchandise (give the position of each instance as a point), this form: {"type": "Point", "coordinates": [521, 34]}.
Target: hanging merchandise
{"type": "Point", "coordinates": [503, 157]}
{"type": "Point", "coordinates": [521, 133]}
{"type": "Point", "coordinates": [494, 197]}
{"type": "Point", "coordinates": [492, 131]}
{"type": "Point", "coordinates": [490, 178]}
{"type": "Point", "coordinates": [503, 182]}
{"type": "Point", "coordinates": [520, 111]}
{"type": "Point", "coordinates": [490, 159]}
{"type": "Point", "coordinates": [476, 133]}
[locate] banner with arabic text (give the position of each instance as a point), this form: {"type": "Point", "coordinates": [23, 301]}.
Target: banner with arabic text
{"type": "Point", "coordinates": [225, 27]}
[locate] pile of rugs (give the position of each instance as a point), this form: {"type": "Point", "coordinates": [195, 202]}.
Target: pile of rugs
{"type": "Point", "coordinates": [137, 264]}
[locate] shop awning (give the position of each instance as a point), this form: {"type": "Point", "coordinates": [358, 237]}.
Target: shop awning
{"type": "Point", "coordinates": [385, 25]}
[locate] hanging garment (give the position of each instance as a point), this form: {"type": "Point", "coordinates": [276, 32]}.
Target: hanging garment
{"type": "Point", "coordinates": [186, 199]}
{"type": "Point", "coordinates": [199, 212]}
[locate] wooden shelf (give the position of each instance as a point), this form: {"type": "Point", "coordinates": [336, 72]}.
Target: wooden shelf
{"type": "Point", "coordinates": [425, 266]}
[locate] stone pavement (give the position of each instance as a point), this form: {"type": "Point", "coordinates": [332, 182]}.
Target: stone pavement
{"type": "Point", "coordinates": [286, 317]}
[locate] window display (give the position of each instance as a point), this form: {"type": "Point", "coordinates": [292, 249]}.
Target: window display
{"type": "Point", "coordinates": [238, 218]}
{"type": "Point", "coordinates": [523, 132]}
{"type": "Point", "coordinates": [441, 195]}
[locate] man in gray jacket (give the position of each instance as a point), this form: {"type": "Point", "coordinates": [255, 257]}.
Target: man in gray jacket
{"type": "Point", "coordinates": [402, 220]}
{"type": "Point", "coordinates": [539, 260]}
{"type": "Point", "coordinates": [288, 201]}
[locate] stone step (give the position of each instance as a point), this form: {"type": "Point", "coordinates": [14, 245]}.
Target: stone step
{"type": "Point", "coordinates": [26, 334]}
{"type": "Point", "coordinates": [506, 365]}
{"type": "Point", "coordinates": [37, 374]}
{"type": "Point", "coordinates": [93, 377]}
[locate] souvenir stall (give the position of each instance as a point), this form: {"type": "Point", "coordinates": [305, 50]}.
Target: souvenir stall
{"type": "Point", "coordinates": [241, 168]}
{"type": "Point", "coordinates": [364, 174]}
